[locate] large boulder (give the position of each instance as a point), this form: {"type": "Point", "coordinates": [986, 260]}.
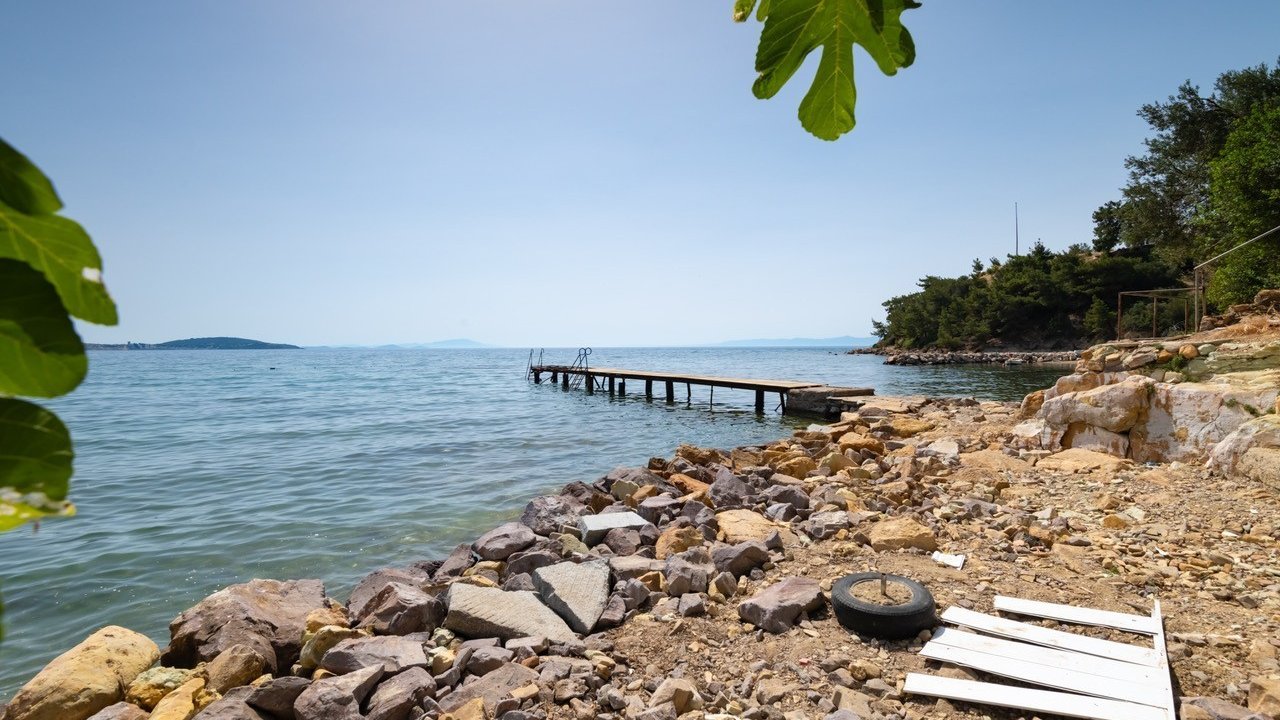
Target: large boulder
{"type": "Point", "coordinates": [576, 591]}
{"type": "Point", "coordinates": [547, 514]}
{"type": "Point", "coordinates": [400, 609]}
{"type": "Point", "coordinates": [266, 615]}
{"type": "Point", "coordinates": [481, 612]}
{"type": "Point", "coordinates": [595, 527]}
{"type": "Point", "coordinates": [1262, 432]}
{"type": "Point", "coordinates": [376, 581]}
{"type": "Point", "coordinates": [388, 652]}
{"type": "Point", "coordinates": [395, 698]}
{"type": "Point", "coordinates": [1115, 407]}
{"type": "Point", "coordinates": [85, 679]}
{"type": "Point", "coordinates": [1185, 421]}
{"type": "Point", "coordinates": [119, 711]}
{"type": "Point", "coordinates": [504, 540]}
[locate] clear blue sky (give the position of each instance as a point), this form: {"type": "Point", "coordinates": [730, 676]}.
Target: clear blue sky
{"type": "Point", "coordinates": [556, 172]}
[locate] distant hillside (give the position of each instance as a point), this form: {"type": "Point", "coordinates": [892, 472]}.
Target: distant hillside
{"type": "Point", "coordinates": [458, 343]}
{"type": "Point", "coordinates": [842, 341]}
{"type": "Point", "coordinates": [206, 343]}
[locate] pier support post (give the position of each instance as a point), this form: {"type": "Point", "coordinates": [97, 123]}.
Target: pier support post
{"type": "Point", "coordinates": [782, 400]}
{"type": "Point", "coordinates": [591, 384]}
{"type": "Point", "coordinates": [688, 393]}
{"type": "Point", "coordinates": [537, 378]}
{"type": "Point", "coordinates": [611, 385]}
{"type": "Point", "coordinates": [759, 402]}
{"type": "Point", "coordinates": [671, 391]}
{"type": "Point", "coordinates": [622, 386]}
{"type": "Point", "coordinates": [564, 380]}
{"type": "Point", "coordinates": [648, 389]}
{"type": "Point", "coordinates": [555, 377]}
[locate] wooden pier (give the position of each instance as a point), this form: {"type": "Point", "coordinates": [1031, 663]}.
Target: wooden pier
{"type": "Point", "coordinates": [615, 380]}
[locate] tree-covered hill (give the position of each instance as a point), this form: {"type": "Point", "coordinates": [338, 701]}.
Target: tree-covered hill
{"type": "Point", "coordinates": [1208, 181]}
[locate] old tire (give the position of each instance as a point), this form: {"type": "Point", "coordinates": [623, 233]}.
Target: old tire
{"type": "Point", "coordinates": [891, 622]}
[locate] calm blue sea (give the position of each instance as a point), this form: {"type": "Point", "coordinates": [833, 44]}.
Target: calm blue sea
{"type": "Point", "coordinates": [198, 469]}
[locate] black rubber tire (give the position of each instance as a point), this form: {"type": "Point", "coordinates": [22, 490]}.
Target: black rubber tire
{"type": "Point", "coordinates": [891, 622]}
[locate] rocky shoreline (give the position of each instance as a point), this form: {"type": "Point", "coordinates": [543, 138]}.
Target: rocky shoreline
{"type": "Point", "coordinates": [698, 586]}
{"type": "Point", "coordinates": [894, 356]}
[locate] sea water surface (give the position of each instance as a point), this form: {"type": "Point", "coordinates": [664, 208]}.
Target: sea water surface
{"type": "Point", "coordinates": [197, 469]}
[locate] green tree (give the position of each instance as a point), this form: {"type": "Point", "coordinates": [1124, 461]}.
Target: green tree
{"type": "Point", "coordinates": [1099, 320]}
{"type": "Point", "coordinates": [49, 271]}
{"type": "Point", "coordinates": [1168, 202]}
{"type": "Point", "coordinates": [1245, 190]}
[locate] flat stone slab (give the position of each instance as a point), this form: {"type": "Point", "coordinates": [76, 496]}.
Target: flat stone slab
{"type": "Point", "coordinates": [595, 527]}
{"type": "Point", "coordinates": [577, 592]}
{"type": "Point", "coordinates": [481, 612]}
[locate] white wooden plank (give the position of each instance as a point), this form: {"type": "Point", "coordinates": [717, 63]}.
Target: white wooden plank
{"type": "Point", "coordinates": [1158, 619]}
{"type": "Point", "coordinates": [1082, 615]}
{"type": "Point", "coordinates": [1079, 662]}
{"type": "Point", "coordinates": [1036, 701]}
{"type": "Point", "coordinates": [1048, 637]}
{"type": "Point", "coordinates": [1047, 675]}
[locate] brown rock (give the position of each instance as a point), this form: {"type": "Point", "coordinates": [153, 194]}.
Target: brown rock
{"type": "Point", "coordinates": [490, 689]}
{"type": "Point", "coordinates": [854, 441]}
{"type": "Point", "coordinates": [237, 665]}
{"type": "Point", "coordinates": [87, 678]}
{"type": "Point", "coordinates": [905, 427]}
{"type": "Point", "coordinates": [267, 615]}
{"type": "Point", "coordinates": [798, 467]}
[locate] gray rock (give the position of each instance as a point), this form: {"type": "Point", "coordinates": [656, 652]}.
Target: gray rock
{"type": "Point", "coordinates": [633, 593]}
{"type": "Point", "coordinates": [577, 592]}
{"type": "Point", "coordinates": [119, 711]}
{"type": "Point", "coordinates": [536, 644]}
{"type": "Point", "coordinates": [788, 494]}
{"type": "Point", "coordinates": [688, 572]}
{"type": "Point", "coordinates": [843, 715]}
{"type": "Point", "coordinates": [692, 605]}
{"type": "Point", "coordinates": [458, 561]}
{"type": "Point", "coordinates": [729, 491]}
{"type": "Point", "coordinates": [230, 706]}
{"type": "Point", "coordinates": [492, 688]}
{"type": "Point", "coordinates": [622, 541]}
{"type": "Point", "coordinates": [823, 525]}
{"type": "Point", "coordinates": [388, 652]}
{"type": "Point", "coordinates": [374, 582]}
{"type": "Point", "coordinates": [394, 698]}
{"type": "Point", "coordinates": [548, 514]}
{"type": "Point", "coordinates": [725, 583]}
{"type": "Point", "coordinates": [266, 615]}
{"type": "Point", "coordinates": [587, 495]}
{"type": "Point", "coordinates": [740, 559]}
{"type": "Point", "coordinates": [489, 612]}
{"type": "Point", "coordinates": [400, 609]}
{"type": "Point", "coordinates": [659, 508]}
{"type": "Point", "coordinates": [519, 582]}
{"type": "Point", "coordinates": [615, 613]}
{"type": "Point", "coordinates": [781, 512]}
{"type": "Point", "coordinates": [276, 697]}
{"type": "Point", "coordinates": [503, 541]}
{"type": "Point", "coordinates": [1218, 709]}
{"type": "Point", "coordinates": [633, 566]}
{"type": "Point", "coordinates": [594, 527]}
{"type": "Point", "coordinates": [337, 698]}
{"type": "Point", "coordinates": [487, 659]}
{"type": "Point", "coordinates": [777, 607]}
{"type": "Point", "coordinates": [530, 560]}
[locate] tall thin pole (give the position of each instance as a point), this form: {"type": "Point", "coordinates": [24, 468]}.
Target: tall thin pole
{"type": "Point", "coordinates": [1016, 249]}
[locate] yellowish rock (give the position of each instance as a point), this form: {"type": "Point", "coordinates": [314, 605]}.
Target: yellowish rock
{"type": "Point", "coordinates": [86, 678]}
{"type": "Point", "coordinates": [853, 441]}
{"type": "Point", "coordinates": [237, 665]}
{"type": "Point", "coordinates": [1264, 695]}
{"type": "Point", "coordinates": [677, 540]}
{"type": "Point", "coordinates": [1078, 460]}
{"type": "Point", "coordinates": [742, 525]}
{"type": "Point", "coordinates": [473, 710]}
{"type": "Point", "coordinates": [688, 484]}
{"type": "Point", "coordinates": [321, 617]}
{"type": "Point", "coordinates": [1189, 352]}
{"type": "Point", "coordinates": [322, 640]}
{"type": "Point", "coordinates": [797, 467]}
{"type": "Point", "coordinates": [150, 687]}
{"type": "Point", "coordinates": [905, 427]}
{"type": "Point", "coordinates": [900, 533]}
{"type": "Point", "coordinates": [180, 704]}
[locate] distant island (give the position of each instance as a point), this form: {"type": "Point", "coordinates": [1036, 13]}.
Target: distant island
{"type": "Point", "coordinates": [205, 343]}
{"type": "Point", "coordinates": [457, 343]}
{"type": "Point", "coordinates": [842, 341]}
